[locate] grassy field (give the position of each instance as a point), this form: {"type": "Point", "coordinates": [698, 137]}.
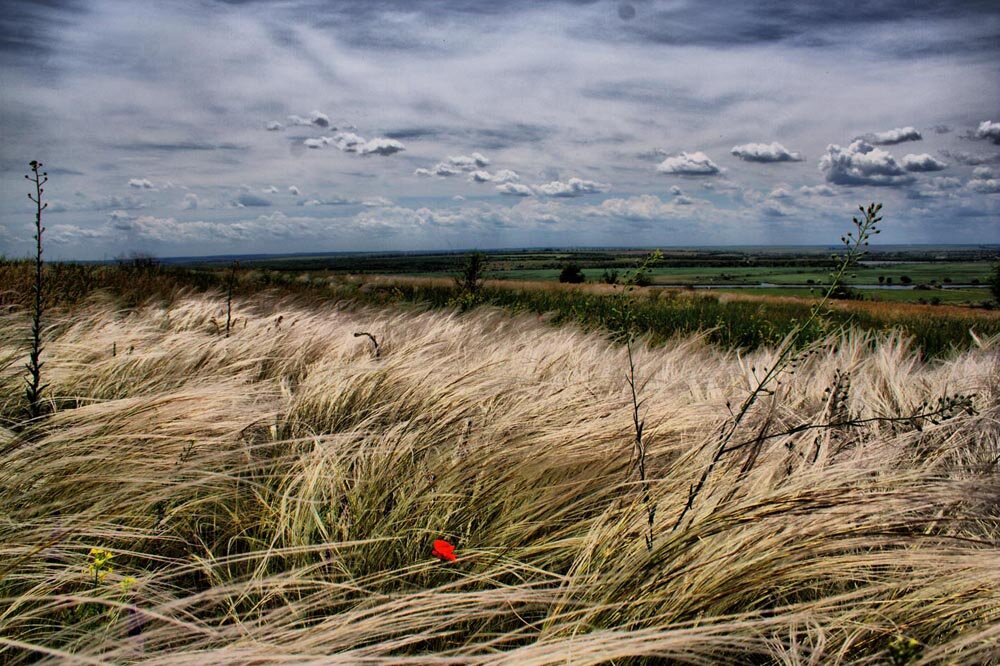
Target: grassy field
{"type": "Point", "coordinates": [731, 320]}
{"type": "Point", "coordinates": [271, 497]}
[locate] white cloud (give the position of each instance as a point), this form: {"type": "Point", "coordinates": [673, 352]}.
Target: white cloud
{"type": "Point", "coordinates": [349, 142]}
{"type": "Point", "coordinates": [377, 202]}
{"type": "Point", "coordinates": [989, 130]}
{"type": "Point", "coordinates": [501, 176]}
{"type": "Point", "coordinates": [270, 189]}
{"type": "Point", "coordinates": [140, 184]}
{"type": "Point", "coordinates": [923, 162]}
{"type": "Point", "coordinates": [676, 191]}
{"type": "Point", "coordinates": [862, 164]}
{"type": "Point", "coordinates": [779, 193]}
{"type": "Point", "coordinates": [984, 185]}
{"type": "Point", "coordinates": [190, 201]}
{"type": "Point", "coordinates": [273, 126]}
{"type": "Point", "coordinates": [765, 152]}
{"type": "Point", "coordinates": [294, 191]}
{"type": "Point", "coordinates": [440, 169]}
{"type": "Point", "coordinates": [469, 162]}
{"type": "Point", "coordinates": [574, 187]}
{"type": "Point", "coordinates": [515, 189]}
{"type": "Point", "coordinates": [894, 136]}
{"type": "Point", "coordinates": [946, 182]}
{"type": "Point", "coordinates": [643, 207]}
{"type": "Point", "coordinates": [983, 181]}
{"type": "Point", "coordinates": [689, 164]}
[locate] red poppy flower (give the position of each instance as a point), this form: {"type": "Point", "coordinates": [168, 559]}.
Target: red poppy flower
{"type": "Point", "coordinates": [443, 550]}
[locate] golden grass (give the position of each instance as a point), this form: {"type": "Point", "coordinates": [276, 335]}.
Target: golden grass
{"type": "Point", "coordinates": [275, 495]}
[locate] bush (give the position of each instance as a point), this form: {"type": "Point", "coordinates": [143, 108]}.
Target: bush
{"type": "Point", "coordinates": [572, 274]}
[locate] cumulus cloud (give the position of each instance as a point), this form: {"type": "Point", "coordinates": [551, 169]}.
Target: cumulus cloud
{"type": "Point", "coordinates": [644, 207]}
{"type": "Point", "coordinates": [378, 146]}
{"type": "Point", "coordinates": [501, 176]}
{"type": "Point", "coordinates": [349, 142]}
{"type": "Point", "coordinates": [294, 191]}
{"type": "Point", "coordinates": [989, 130]}
{"type": "Point", "coordinates": [894, 136]}
{"type": "Point", "coordinates": [689, 164]}
{"type": "Point", "coordinates": [315, 119]}
{"type": "Point", "coordinates": [270, 189]}
{"type": "Point", "coordinates": [923, 162]}
{"type": "Point", "coordinates": [273, 126]}
{"type": "Point", "coordinates": [946, 182]}
{"type": "Point", "coordinates": [765, 152]}
{"type": "Point", "coordinates": [515, 190]}
{"type": "Point", "coordinates": [252, 200]}
{"type": "Point", "coordinates": [456, 164]}
{"type": "Point", "coordinates": [574, 187]}
{"type": "Point", "coordinates": [140, 184]}
{"type": "Point", "coordinates": [862, 164]}
{"type": "Point", "coordinates": [469, 162]}
{"type": "Point", "coordinates": [676, 191]}
{"type": "Point", "coordinates": [190, 201]}
{"type": "Point", "coordinates": [969, 159]}
{"type": "Point", "coordinates": [983, 181]}
{"type": "Point", "coordinates": [440, 169]}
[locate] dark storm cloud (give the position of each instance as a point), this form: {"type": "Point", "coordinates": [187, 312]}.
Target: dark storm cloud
{"type": "Point", "coordinates": [803, 24]}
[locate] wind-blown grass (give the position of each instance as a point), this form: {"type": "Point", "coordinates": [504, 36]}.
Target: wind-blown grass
{"type": "Point", "coordinates": [274, 494]}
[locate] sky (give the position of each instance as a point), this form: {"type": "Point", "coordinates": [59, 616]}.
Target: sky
{"type": "Point", "coordinates": [199, 127]}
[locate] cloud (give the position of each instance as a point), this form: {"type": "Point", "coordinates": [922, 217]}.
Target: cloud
{"type": "Point", "coordinates": [689, 164]}
{"type": "Point", "coordinates": [377, 202]}
{"type": "Point", "coordinates": [946, 182]}
{"type": "Point", "coordinates": [574, 187]}
{"type": "Point", "coordinates": [379, 146]}
{"type": "Point", "coordinates": [989, 130]}
{"type": "Point", "coordinates": [984, 185]}
{"type": "Point", "coordinates": [923, 162]}
{"type": "Point", "coordinates": [190, 201]}
{"type": "Point", "coordinates": [273, 126]}
{"type": "Point", "coordinates": [894, 136]}
{"type": "Point", "coordinates": [252, 200]}
{"type": "Point", "coordinates": [515, 190]}
{"type": "Point", "coordinates": [456, 164]}
{"type": "Point", "coordinates": [140, 184]}
{"type": "Point", "coordinates": [294, 191]}
{"type": "Point", "coordinates": [765, 152]}
{"type": "Point", "coordinates": [469, 162]}
{"type": "Point", "coordinates": [984, 181]}
{"type": "Point", "coordinates": [862, 164]}
{"type": "Point", "coordinates": [969, 159]}
{"type": "Point", "coordinates": [644, 207]}
{"type": "Point", "coordinates": [315, 119]}
{"type": "Point", "coordinates": [501, 176]}
{"type": "Point", "coordinates": [440, 169]}
{"type": "Point", "coordinates": [941, 129]}
{"type": "Point", "coordinates": [350, 142]}
{"type": "Point", "coordinates": [270, 189]}
{"type": "Point", "coordinates": [779, 193]}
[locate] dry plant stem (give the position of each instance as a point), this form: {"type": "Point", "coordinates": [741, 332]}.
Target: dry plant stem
{"type": "Point", "coordinates": [866, 227]}
{"type": "Point", "coordinates": [371, 337]}
{"type": "Point", "coordinates": [229, 295]}
{"type": "Point", "coordinates": [33, 391]}
{"type": "Point", "coordinates": [640, 448]}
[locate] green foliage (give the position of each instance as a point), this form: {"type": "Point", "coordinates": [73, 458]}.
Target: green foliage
{"type": "Point", "coordinates": [572, 274]}
{"type": "Point", "coordinates": [995, 282]}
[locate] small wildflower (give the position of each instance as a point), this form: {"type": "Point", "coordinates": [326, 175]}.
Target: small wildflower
{"type": "Point", "coordinates": [443, 550]}
{"type": "Point", "coordinates": [99, 566]}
